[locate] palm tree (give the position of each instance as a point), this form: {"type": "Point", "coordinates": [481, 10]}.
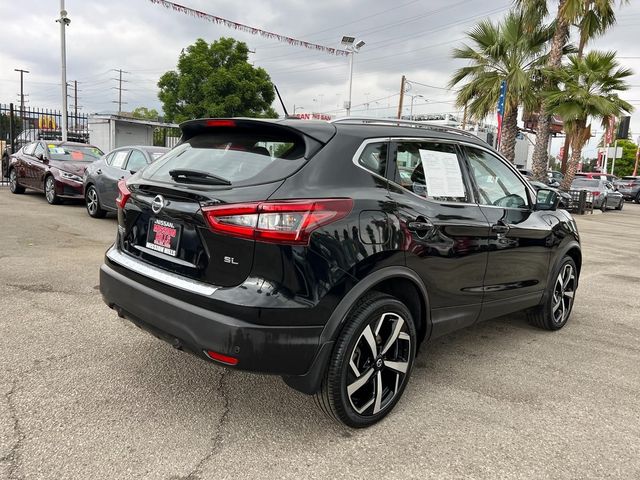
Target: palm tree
{"type": "Point", "coordinates": [587, 89]}
{"type": "Point", "coordinates": [501, 51]}
{"type": "Point", "coordinates": [592, 18]}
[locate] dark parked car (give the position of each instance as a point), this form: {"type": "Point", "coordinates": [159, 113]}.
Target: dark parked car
{"type": "Point", "coordinates": [629, 187]}
{"type": "Point", "coordinates": [55, 168]}
{"type": "Point", "coordinates": [291, 247]}
{"type": "Point", "coordinates": [102, 176]}
{"type": "Point", "coordinates": [604, 194]}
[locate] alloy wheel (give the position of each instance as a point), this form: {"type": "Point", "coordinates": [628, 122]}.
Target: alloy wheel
{"type": "Point", "coordinates": [92, 201]}
{"type": "Point", "coordinates": [13, 180]}
{"type": "Point", "coordinates": [563, 294]}
{"type": "Point", "coordinates": [50, 190]}
{"type": "Point", "coordinates": [378, 364]}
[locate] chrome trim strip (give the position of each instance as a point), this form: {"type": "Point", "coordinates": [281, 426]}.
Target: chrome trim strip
{"type": "Point", "coordinates": [158, 274]}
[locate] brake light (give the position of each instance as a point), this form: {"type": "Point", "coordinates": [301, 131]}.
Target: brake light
{"type": "Point", "coordinates": [288, 222]}
{"type": "Point", "coordinates": [123, 194]}
{"type": "Point", "coordinates": [221, 123]}
{"type": "Point", "coordinates": [595, 194]}
{"type": "Point", "coordinates": [221, 358]}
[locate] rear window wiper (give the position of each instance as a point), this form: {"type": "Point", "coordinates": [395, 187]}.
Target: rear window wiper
{"type": "Point", "coordinates": [197, 176]}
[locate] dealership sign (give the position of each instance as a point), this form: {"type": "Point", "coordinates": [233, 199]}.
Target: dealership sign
{"type": "Point", "coordinates": [313, 116]}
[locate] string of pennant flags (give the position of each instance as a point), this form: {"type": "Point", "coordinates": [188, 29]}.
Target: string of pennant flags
{"type": "Point", "coordinates": [175, 7]}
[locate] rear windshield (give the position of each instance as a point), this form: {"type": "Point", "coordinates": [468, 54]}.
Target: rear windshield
{"type": "Point", "coordinates": [585, 182]}
{"type": "Point", "coordinates": [68, 152]}
{"type": "Point", "coordinates": [243, 158]}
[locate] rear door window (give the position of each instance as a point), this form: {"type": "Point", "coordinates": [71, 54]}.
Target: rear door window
{"type": "Point", "coordinates": [28, 150]}
{"type": "Point", "coordinates": [431, 170]}
{"type": "Point", "coordinates": [242, 157]}
{"type": "Point", "coordinates": [374, 158]}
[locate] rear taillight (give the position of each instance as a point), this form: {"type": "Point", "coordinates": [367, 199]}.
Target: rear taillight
{"type": "Point", "coordinates": [290, 222]}
{"type": "Point", "coordinates": [123, 194]}
{"type": "Point", "coordinates": [595, 194]}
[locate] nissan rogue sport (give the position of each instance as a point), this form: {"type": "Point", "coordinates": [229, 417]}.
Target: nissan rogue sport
{"type": "Point", "coordinates": [295, 248]}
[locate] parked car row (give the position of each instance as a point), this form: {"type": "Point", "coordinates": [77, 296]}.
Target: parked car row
{"type": "Point", "coordinates": [602, 193]}
{"type": "Point", "coordinates": [71, 170]}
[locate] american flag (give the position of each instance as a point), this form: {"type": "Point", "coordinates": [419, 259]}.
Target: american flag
{"type": "Point", "coordinates": [501, 101]}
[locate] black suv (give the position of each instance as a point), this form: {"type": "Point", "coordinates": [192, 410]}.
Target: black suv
{"type": "Point", "coordinates": [629, 187]}
{"type": "Point", "coordinates": [293, 248]}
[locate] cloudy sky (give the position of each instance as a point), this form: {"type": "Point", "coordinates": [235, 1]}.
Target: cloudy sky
{"type": "Point", "coordinates": [410, 37]}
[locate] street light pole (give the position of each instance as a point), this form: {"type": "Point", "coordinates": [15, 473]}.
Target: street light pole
{"type": "Point", "coordinates": [352, 47]}
{"type": "Point", "coordinates": [64, 21]}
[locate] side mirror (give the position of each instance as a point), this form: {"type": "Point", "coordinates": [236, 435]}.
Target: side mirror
{"type": "Point", "coordinates": [40, 157]}
{"type": "Point", "coordinates": [547, 199]}
{"type": "Point", "coordinates": [132, 172]}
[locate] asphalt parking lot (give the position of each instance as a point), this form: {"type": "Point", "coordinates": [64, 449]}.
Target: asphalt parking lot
{"type": "Point", "coordinates": [84, 394]}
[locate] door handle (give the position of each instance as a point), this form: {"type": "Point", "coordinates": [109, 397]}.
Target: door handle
{"type": "Point", "coordinates": [419, 225]}
{"type": "Point", "coordinates": [99, 172]}
{"type": "Point", "coordinates": [500, 228]}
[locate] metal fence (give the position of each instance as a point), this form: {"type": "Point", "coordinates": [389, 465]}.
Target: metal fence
{"type": "Point", "coordinates": [581, 202]}
{"type": "Point", "coordinates": [21, 126]}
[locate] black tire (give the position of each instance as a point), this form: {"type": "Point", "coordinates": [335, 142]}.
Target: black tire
{"type": "Point", "coordinates": [367, 368]}
{"type": "Point", "coordinates": [637, 200]}
{"type": "Point", "coordinates": [559, 298]}
{"type": "Point", "coordinates": [621, 204]}
{"type": "Point", "coordinates": [92, 202]}
{"type": "Point", "coordinates": [14, 186]}
{"type": "Point", "coordinates": [50, 190]}
{"type": "Point", "coordinates": [603, 207]}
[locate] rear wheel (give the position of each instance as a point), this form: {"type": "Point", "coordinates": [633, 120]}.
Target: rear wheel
{"type": "Point", "coordinates": [50, 190]}
{"type": "Point", "coordinates": [555, 312]}
{"type": "Point", "coordinates": [637, 200]}
{"type": "Point", "coordinates": [371, 362]}
{"type": "Point", "coordinates": [13, 182]}
{"type": "Point", "coordinates": [93, 203]}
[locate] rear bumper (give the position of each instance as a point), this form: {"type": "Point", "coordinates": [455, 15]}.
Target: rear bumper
{"type": "Point", "coordinates": [281, 350]}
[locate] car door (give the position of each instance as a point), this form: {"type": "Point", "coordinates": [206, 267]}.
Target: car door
{"type": "Point", "coordinates": [520, 238]}
{"type": "Point", "coordinates": [444, 229]}
{"type": "Point", "coordinates": [25, 165]}
{"type": "Point", "coordinates": [38, 166]}
{"type": "Point", "coordinates": [613, 196]}
{"type": "Point", "coordinates": [108, 176]}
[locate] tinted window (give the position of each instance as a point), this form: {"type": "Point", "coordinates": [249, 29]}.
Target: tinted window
{"type": "Point", "coordinates": [374, 158]}
{"type": "Point", "coordinates": [137, 161]}
{"type": "Point", "coordinates": [119, 158]}
{"type": "Point", "coordinates": [497, 184]}
{"type": "Point", "coordinates": [28, 150]}
{"type": "Point", "coordinates": [39, 150]}
{"type": "Point", "coordinates": [239, 156]}
{"type": "Point", "coordinates": [585, 182]}
{"type": "Point", "coordinates": [74, 152]}
{"type": "Point", "coordinates": [431, 170]}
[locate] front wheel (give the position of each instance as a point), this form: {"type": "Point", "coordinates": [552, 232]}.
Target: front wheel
{"type": "Point", "coordinates": [637, 200]}
{"type": "Point", "coordinates": [555, 312]}
{"type": "Point", "coordinates": [371, 362]}
{"type": "Point", "coordinates": [93, 203]}
{"type": "Point", "coordinates": [50, 190]}
{"type": "Point", "coordinates": [603, 207]}
{"type": "Point", "coordinates": [13, 182]}
{"type": "Point", "coordinates": [621, 204]}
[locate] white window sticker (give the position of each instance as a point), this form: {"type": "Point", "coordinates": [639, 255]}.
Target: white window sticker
{"type": "Point", "coordinates": [442, 173]}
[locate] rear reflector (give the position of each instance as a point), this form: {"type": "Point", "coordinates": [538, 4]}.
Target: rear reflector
{"type": "Point", "coordinates": [123, 194]}
{"type": "Point", "coordinates": [221, 123]}
{"type": "Point", "coordinates": [221, 358]}
{"type": "Point", "coordinates": [288, 222]}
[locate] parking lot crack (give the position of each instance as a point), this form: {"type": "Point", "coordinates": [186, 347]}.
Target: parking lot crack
{"type": "Point", "coordinates": [218, 439]}
{"type": "Point", "coordinates": [13, 456]}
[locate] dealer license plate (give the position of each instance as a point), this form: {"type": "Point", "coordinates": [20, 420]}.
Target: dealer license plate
{"type": "Point", "coordinates": [163, 236]}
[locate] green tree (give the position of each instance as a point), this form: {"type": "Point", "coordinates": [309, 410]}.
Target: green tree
{"type": "Point", "coordinates": [624, 166]}
{"type": "Point", "coordinates": [592, 18]}
{"type": "Point", "coordinates": [145, 113]}
{"type": "Point", "coordinates": [216, 80]}
{"type": "Point", "coordinates": [587, 88]}
{"type": "Point", "coordinates": [501, 51]}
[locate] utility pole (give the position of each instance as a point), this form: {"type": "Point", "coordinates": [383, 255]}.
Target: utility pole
{"type": "Point", "coordinates": [402, 85]}
{"type": "Point", "coordinates": [22, 72]}
{"type": "Point", "coordinates": [119, 88]}
{"type": "Point", "coordinates": [64, 21]}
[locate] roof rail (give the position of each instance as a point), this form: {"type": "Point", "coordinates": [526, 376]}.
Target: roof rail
{"type": "Point", "coordinates": [403, 123]}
